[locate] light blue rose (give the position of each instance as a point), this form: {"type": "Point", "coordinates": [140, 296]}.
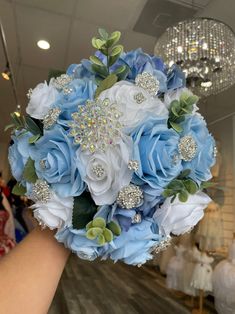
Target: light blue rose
{"type": "Point", "coordinates": [175, 78]}
{"type": "Point", "coordinates": [155, 148]}
{"type": "Point", "coordinates": [200, 165]}
{"type": "Point", "coordinates": [19, 154]}
{"type": "Point", "coordinates": [133, 247]}
{"type": "Point", "coordinates": [81, 70]}
{"type": "Point", "coordinates": [82, 90]}
{"type": "Point", "coordinates": [54, 156]}
{"type": "Point", "coordinates": [76, 241]}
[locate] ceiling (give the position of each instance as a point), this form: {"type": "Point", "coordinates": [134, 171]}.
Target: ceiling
{"type": "Point", "coordinates": [69, 26]}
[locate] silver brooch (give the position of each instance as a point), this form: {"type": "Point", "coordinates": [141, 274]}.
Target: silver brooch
{"type": "Point", "coordinates": [29, 94]}
{"type": "Point", "coordinates": [96, 125]}
{"type": "Point", "coordinates": [41, 191]}
{"type": "Point", "coordinates": [215, 152]}
{"type": "Point", "coordinates": [51, 118]}
{"type": "Point", "coordinates": [137, 219]}
{"type": "Point", "coordinates": [62, 81]}
{"type": "Point", "coordinates": [162, 246]}
{"type": "Point", "coordinates": [139, 98]}
{"type": "Point", "coordinates": [148, 82]}
{"type": "Point", "coordinates": [133, 165]}
{"type": "Point", "coordinates": [98, 171]}
{"type": "Point", "coordinates": [130, 196]}
{"type": "Point", "coordinates": [187, 148]}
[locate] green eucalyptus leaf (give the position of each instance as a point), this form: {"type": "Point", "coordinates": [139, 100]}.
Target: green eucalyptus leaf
{"type": "Point", "coordinates": [103, 33]}
{"type": "Point", "coordinates": [117, 50]}
{"type": "Point", "coordinates": [113, 59]}
{"type": "Point", "coordinates": [207, 184]}
{"type": "Point", "coordinates": [101, 239]}
{"type": "Point", "coordinates": [32, 126]}
{"type": "Point", "coordinates": [115, 228]}
{"type": "Point", "coordinates": [108, 235]}
{"type": "Point", "coordinates": [9, 126]}
{"type": "Point", "coordinates": [175, 185]}
{"type": "Point", "coordinates": [177, 127]}
{"type": "Point", "coordinates": [122, 73]}
{"type": "Point", "coordinates": [34, 138]}
{"type": "Point", "coordinates": [84, 210]}
{"type": "Point", "coordinates": [100, 70]}
{"type": "Point", "coordinates": [96, 60]}
{"type": "Point", "coordinates": [190, 186]}
{"type": "Point", "coordinates": [168, 193]}
{"type": "Point", "coordinates": [183, 196]}
{"type": "Point", "coordinates": [89, 225]}
{"type": "Point", "coordinates": [29, 173]}
{"type": "Point", "coordinates": [106, 83]}
{"type": "Point", "coordinates": [184, 174]}
{"type": "Point", "coordinates": [93, 233]}
{"type": "Point", "coordinates": [113, 38]}
{"type": "Point", "coordinates": [19, 189]}
{"type": "Point", "coordinates": [99, 222]}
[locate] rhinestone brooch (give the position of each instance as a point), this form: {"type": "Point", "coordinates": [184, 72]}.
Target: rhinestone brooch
{"type": "Point", "coordinates": [51, 118]}
{"type": "Point", "coordinates": [187, 148]}
{"type": "Point", "coordinates": [137, 219]}
{"type": "Point", "coordinates": [148, 82]}
{"type": "Point", "coordinates": [130, 196]}
{"type": "Point", "coordinates": [29, 94]}
{"type": "Point", "coordinates": [139, 98]}
{"type": "Point", "coordinates": [62, 81]}
{"type": "Point", "coordinates": [133, 165]}
{"type": "Point", "coordinates": [41, 191]}
{"type": "Point", "coordinates": [98, 171]}
{"type": "Point", "coordinates": [162, 246]}
{"type": "Point", "coordinates": [96, 125]}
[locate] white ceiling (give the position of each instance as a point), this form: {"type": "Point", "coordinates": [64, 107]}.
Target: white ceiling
{"type": "Point", "coordinates": [69, 26]}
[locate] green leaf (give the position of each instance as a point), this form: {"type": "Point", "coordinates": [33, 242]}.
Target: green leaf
{"type": "Point", "coordinates": [115, 228]}
{"type": "Point", "coordinates": [89, 225]}
{"type": "Point", "coordinates": [84, 210]}
{"type": "Point", "coordinates": [29, 173]}
{"type": "Point", "coordinates": [183, 196]}
{"type": "Point", "coordinates": [100, 70]}
{"type": "Point", "coordinates": [99, 222]}
{"type": "Point", "coordinates": [103, 33]}
{"type": "Point", "coordinates": [173, 198]}
{"type": "Point", "coordinates": [106, 83]}
{"type": "Point", "coordinates": [176, 185]}
{"type": "Point", "coordinates": [34, 138]}
{"type": "Point", "coordinates": [108, 235]}
{"type": "Point", "coordinates": [177, 127]}
{"type": "Point", "coordinates": [93, 233]}
{"type": "Point", "coordinates": [19, 189]}
{"type": "Point", "coordinates": [32, 126]}
{"type": "Point", "coordinates": [190, 186]}
{"type": "Point", "coordinates": [9, 126]}
{"type": "Point", "coordinates": [168, 193]}
{"type": "Point", "coordinates": [207, 184]}
{"type": "Point", "coordinates": [113, 59]}
{"type": "Point", "coordinates": [184, 174]}
{"type": "Point", "coordinates": [101, 239]}
{"type": "Point", "coordinates": [117, 50]}
{"type": "Point", "coordinates": [96, 60]}
{"type": "Point", "coordinates": [99, 43]}
{"type": "Point", "coordinates": [113, 38]}
{"type": "Point", "coordinates": [122, 73]}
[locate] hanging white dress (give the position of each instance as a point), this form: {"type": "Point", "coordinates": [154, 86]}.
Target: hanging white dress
{"type": "Point", "coordinates": [210, 229]}
{"type": "Point", "coordinates": [175, 269]}
{"type": "Point", "coordinates": [224, 283]}
{"type": "Point", "coordinates": [191, 257]}
{"type": "Point", "coordinates": [202, 273]}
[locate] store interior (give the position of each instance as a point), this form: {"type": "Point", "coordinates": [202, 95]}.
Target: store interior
{"type": "Point", "coordinates": [196, 272]}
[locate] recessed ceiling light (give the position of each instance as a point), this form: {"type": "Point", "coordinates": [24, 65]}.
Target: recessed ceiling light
{"type": "Point", "coordinates": [43, 44]}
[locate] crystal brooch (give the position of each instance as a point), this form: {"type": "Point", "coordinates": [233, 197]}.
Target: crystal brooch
{"type": "Point", "coordinates": [130, 196]}
{"type": "Point", "coordinates": [41, 191]}
{"type": "Point", "coordinates": [148, 82]}
{"type": "Point", "coordinates": [187, 148]}
{"type": "Point", "coordinates": [51, 118]}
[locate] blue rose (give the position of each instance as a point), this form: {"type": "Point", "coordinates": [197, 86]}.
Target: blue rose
{"type": "Point", "coordinates": [82, 90]}
{"type": "Point", "coordinates": [200, 165]}
{"type": "Point", "coordinates": [54, 156]}
{"type": "Point", "coordinates": [77, 242]}
{"type": "Point", "coordinates": [19, 154]}
{"type": "Point", "coordinates": [175, 78]}
{"type": "Point", "coordinates": [81, 70]}
{"type": "Point", "coordinates": [155, 148]}
{"type": "Point", "coordinates": [134, 246]}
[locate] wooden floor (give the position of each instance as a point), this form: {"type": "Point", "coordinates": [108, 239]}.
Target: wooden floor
{"type": "Point", "coordinates": [107, 288]}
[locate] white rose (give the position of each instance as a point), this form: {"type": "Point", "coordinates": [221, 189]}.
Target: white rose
{"type": "Point", "coordinates": [55, 213]}
{"type": "Point", "coordinates": [41, 99]}
{"type": "Point", "coordinates": [107, 172]}
{"type": "Point", "coordinates": [178, 217]}
{"type": "Point", "coordinates": [123, 93]}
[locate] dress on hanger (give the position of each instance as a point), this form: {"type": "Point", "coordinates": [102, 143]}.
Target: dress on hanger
{"type": "Point", "coordinates": [202, 273]}
{"type": "Point", "coordinates": [191, 257]}
{"type": "Point", "coordinates": [210, 229]}
{"type": "Point", "coordinates": [175, 269]}
{"type": "Point", "coordinates": [224, 283]}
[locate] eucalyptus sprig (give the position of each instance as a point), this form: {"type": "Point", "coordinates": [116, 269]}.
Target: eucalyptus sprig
{"type": "Point", "coordinates": [182, 186]}
{"type": "Point", "coordinates": [26, 124]}
{"type": "Point", "coordinates": [107, 45]}
{"type": "Point", "coordinates": [179, 109]}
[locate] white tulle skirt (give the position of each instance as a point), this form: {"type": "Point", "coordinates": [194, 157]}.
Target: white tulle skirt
{"type": "Point", "coordinates": [175, 273]}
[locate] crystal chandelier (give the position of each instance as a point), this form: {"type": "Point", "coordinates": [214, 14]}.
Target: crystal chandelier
{"type": "Point", "coordinates": [204, 48]}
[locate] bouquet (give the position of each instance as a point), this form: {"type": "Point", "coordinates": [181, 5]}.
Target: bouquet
{"type": "Point", "coordinates": [114, 154]}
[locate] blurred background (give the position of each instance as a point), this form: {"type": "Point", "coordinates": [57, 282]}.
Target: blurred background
{"type": "Point", "coordinates": [68, 26]}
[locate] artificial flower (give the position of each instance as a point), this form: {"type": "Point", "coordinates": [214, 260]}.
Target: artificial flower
{"type": "Point", "coordinates": [41, 100]}
{"type": "Point", "coordinates": [177, 217]}
{"type": "Point", "coordinates": [56, 212]}
{"type": "Point", "coordinates": [114, 173]}
{"type": "Point", "coordinates": [124, 95]}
